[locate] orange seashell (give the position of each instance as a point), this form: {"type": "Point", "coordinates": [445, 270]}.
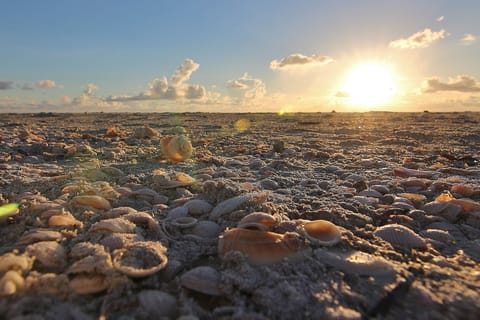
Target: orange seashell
{"type": "Point", "coordinates": [321, 232]}
{"type": "Point", "coordinates": [405, 172]}
{"type": "Point", "coordinates": [262, 247]}
{"type": "Point", "coordinates": [463, 189]}
{"type": "Point", "coordinates": [96, 202]}
{"type": "Point", "coordinates": [466, 204]}
{"type": "Point", "coordinates": [257, 220]}
{"type": "Point", "coordinates": [177, 148]}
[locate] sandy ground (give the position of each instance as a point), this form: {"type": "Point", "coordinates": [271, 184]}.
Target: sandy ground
{"type": "Point", "coordinates": [401, 190]}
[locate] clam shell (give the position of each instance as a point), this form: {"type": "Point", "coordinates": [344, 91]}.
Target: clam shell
{"type": "Point", "coordinates": [140, 259]}
{"type": "Point", "coordinates": [50, 254]}
{"type": "Point", "coordinates": [257, 220]}
{"type": "Point", "coordinates": [88, 283]}
{"type": "Point", "coordinates": [11, 261]}
{"type": "Point", "coordinates": [320, 232]}
{"type": "Point", "coordinates": [235, 203]}
{"type": "Point", "coordinates": [11, 283]}
{"type": "Point", "coordinates": [113, 225]}
{"type": "Point", "coordinates": [96, 202]}
{"type": "Point", "coordinates": [99, 262]}
{"type": "Point", "coordinates": [448, 210]}
{"type": "Point", "coordinates": [467, 205]}
{"type": "Point", "coordinates": [438, 235]}
{"type": "Point", "coordinates": [197, 207]}
{"type": "Point", "coordinates": [202, 279]}
{"type": "Point", "coordinates": [400, 236]}
{"type": "Point", "coordinates": [184, 222]}
{"type": "Point", "coordinates": [206, 229]}
{"type": "Point", "coordinates": [64, 220]}
{"type": "Point", "coordinates": [261, 247]}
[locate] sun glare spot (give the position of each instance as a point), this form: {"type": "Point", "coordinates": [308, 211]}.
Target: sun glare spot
{"type": "Point", "coordinates": [370, 84]}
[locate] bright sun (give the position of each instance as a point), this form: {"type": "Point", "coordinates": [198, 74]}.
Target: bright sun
{"type": "Point", "coordinates": [370, 84]}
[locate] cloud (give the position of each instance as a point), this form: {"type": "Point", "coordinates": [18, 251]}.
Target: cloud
{"type": "Point", "coordinates": [468, 38]}
{"type": "Point", "coordinates": [86, 97]}
{"type": "Point", "coordinates": [160, 89]}
{"type": "Point", "coordinates": [441, 18]}
{"type": "Point", "coordinates": [421, 39]}
{"type": "Point", "coordinates": [45, 84]}
{"type": "Point", "coordinates": [460, 84]}
{"type": "Point", "coordinates": [5, 85]}
{"type": "Point", "coordinates": [297, 60]}
{"type": "Point", "coordinates": [254, 88]}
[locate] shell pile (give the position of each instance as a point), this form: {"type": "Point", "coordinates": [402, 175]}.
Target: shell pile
{"type": "Point", "coordinates": [317, 216]}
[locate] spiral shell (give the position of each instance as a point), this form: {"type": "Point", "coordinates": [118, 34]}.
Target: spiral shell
{"type": "Point", "coordinates": [177, 148]}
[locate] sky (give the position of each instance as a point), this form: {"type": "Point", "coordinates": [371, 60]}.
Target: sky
{"type": "Point", "coordinates": [239, 56]}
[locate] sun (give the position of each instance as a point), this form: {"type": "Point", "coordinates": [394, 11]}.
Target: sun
{"type": "Point", "coordinates": [370, 84]}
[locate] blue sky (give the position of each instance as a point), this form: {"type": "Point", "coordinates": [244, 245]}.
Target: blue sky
{"type": "Point", "coordinates": [78, 56]}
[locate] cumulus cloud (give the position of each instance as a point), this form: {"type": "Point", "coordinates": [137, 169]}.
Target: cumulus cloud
{"type": "Point", "coordinates": [45, 84]}
{"type": "Point", "coordinates": [253, 88]}
{"type": "Point", "coordinates": [460, 84]}
{"type": "Point", "coordinates": [87, 95]}
{"type": "Point", "coordinates": [297, 60]}
{"type": "Point", "coordinates": [468, 38]}
{"type": "Point", "coordinates": [421, 39]}
{"type": "Point", "coordinates": [160, 89]}
{"type": "Point", "coordinates": [5, 85]}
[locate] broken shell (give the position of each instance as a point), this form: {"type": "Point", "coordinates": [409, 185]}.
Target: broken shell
{"type": "Point", "coordinates": [96, 202]}
{"type": "Point", "coordinates": [320, 232]}
{"type": "Point", "coordinates": [50, 254]}
{"type": "Point", "coordinates": [115, 241]}
{"type": "Point", "coordinates": [206, 229]}
{"type": "Point", "coordinates": [88, 284]}
{"type": "Point", "coordinates": [400, 236]}
{"type": "Point", "coordinates": [11, 261]}
{"type": "Point", "coordinates": [257, 220]}
{"type": "Point", "coordinates": [197, 207]}
{"type": "Point", "coordinates": [237, 202]}
{"type": "Point", "coordinates": [184, 222]}
{"type": "Point", "coordinates": [113, 225]}
{"type": "Point", "coordinates": [100, 262]}
{"type": "Point", "coordinates": [177, 148]}
{"type": "Point", "coordinates": [140, 259]}
{"type": "Point", "coordinates": [11, 283]}
{"type": "Point", "coordinates": [261, 247]}
{"type": "Point", "coordinates": [202, 279]}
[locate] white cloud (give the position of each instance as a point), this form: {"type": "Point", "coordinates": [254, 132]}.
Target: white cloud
{"type": "Point", "coordinates": [462, 83]}
{"type": "Point", "coordinates": [87, 97]}
{"type": "Point", "coordinates": [441, 18]}
{"type": "Point", "coordinates": [253, 88]}
{"type": "Point", "coordinates": [45, 84]}
{"type": "Point", "coordinates": [160, 89]}
{"type": "Point", "coordinates": [5, 85]}
{"type": "Point", "coordinates": [299, 60]}
{"type": "Point", "coordinates": [468, 38]}
{"type": "Point", "coordinates": [421, 39]}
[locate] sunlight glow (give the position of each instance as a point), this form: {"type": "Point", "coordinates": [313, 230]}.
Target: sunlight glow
{"type": "Point", "coordinates": [370, 84]}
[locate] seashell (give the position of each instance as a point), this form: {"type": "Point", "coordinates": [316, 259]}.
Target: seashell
{"type": "Point", "coordinates": [11, 283]}
{"type": "Point", "coordinates": [39, 235]}
{"type": "Point", "coordinates": [85, 249]}
{"type": "Point", "coordinates": [96, 202]}
{"type": "Point", "coordinates": [115, 241]}
{"type": "Point", "coordinates": [463, 189]}
{"type": "Point", "coordinates": [357, 262]}
{"type": "Point", "coordinates": [141, 218]}
{"type": "Point", "coordinates": [64, 220]}
{"type": "Point", "coordinates": [415, 198]}
{"type": "Point", "coordinates": [257, 220]}
{"type": "Point", "coordinates": [320, 232]}
{"type": "Point", "coordinates": [177, 212]}
{"type": "Point", "coordinates": [177, 148]}
{"type": "Point", "coordinates": [11, 261]}
{"type": "Point", "coordinates": [438, 235]}
{"type": "Point", "coordinates": [447, 210]}
{"type": "Point", "coordinates": [50, 254]}
{"type": "Point", "coordinates": [202, 279]}
{"type": "Point", "coordinates": [236, 203]}
{"type": "Point", "coordinates": [43, 206]}
{"type": "Point", "coordinates": [145, 133]}
{"type": "Point", "coordinates": [197, 207]}
{"type": "Point", "coordinates": [466, 204]}
{"type": "Point", "coordinates": [140, 259]}
{"type": "Point", "coordinates": [261, 247]}
{"type": "Point", "coordinates": [99, 262]}
{"type": "Point", "coordinates": [148, 195]}
{"type": "Point", "coordinates": [405, 172]}
{"type": "Point", "coordinates": [157, 304]}
{"type": "Point", "coordinates": [206, 229]}
{"type": "Point", "coordinates": [88, 283]}
{"type": "Point", "coordinates": [117, 212]}
{"type": "Point", "coordinates": [400, 236]}
{"type": "Point", "coordinates": [113, 225]}
{"type": "Point", "coordinates": [184, 222]}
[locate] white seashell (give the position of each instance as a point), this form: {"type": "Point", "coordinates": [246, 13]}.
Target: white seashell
{"type": "Point", "coordinates": [50, 254]}
{"type": "Point", "coordinates": [197, 207]}
{"type": "Point", "coordinates": [235, 203]}
{"type": "Point", "coordinates": [400, 236]}
{"type": "Point", "coordinates": [11, 261]}
{"type": "Point", "coordinates": [206, 229]}
{"type": "Point", "coordinates": [140, 259]}
{"type": "Point", "coordinates": [157, 304]}
{"type": "Point", "coordinates": [113, 225]}
{"type": "Point", "coordinates": [202, 279]}
{"type": "Point", "coordinates": [11, 283]}
{"type": "Point", "coordinates": [184, 222]}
